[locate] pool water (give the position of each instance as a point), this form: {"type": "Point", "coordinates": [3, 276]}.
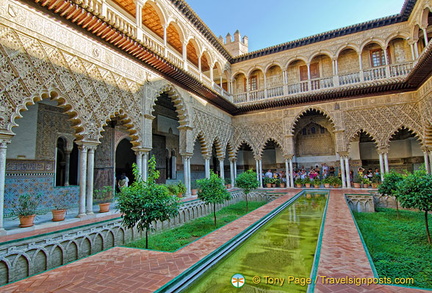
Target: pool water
{"type": "Point", "coordinates": [277, 258]}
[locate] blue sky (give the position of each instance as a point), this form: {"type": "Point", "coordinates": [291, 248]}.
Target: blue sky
{"type": "Point", "coordinates": [272, 22]}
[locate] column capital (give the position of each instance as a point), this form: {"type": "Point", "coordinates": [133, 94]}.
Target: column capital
{"type": "Point", "coordinates": [343, 154]}
{"type": "Point", "coordinates": [258, 157]}
{"type": "Point", "coordinates": [383, 149]}
{"type": "Point", "coordinates": [288, 157]}
{"type": "Point", "coordinates": [232, 159]}
{"type": "Point", "coordinates": [5, 139]}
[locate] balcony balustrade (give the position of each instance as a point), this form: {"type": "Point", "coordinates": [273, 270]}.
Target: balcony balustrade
{"type": "Point", "coordinates": [127, 24]}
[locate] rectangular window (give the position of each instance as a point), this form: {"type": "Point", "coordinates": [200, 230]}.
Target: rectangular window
{"type": "Point", "coordinates": [253, 83]}
{"type": "Point", "coordinates": [377, 58]}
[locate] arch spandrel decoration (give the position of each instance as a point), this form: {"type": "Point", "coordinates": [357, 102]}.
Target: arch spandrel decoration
{"type": "Point", "coordinates": [382, 122]}
{"type": "Point", "coordinates": [48, 72]}
{"type": "Point", "coordinates": [256, 134]}
{"type": "Point", "coordinates": [212, 127]}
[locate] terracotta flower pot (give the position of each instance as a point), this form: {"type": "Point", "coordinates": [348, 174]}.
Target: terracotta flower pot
{"type": "Point", "coordinates": [316, 186]}
{"type": "Point", "coordinates": [104, 207]}
{"type": "Point", "coordinates": [307, 185]}
{"type": "Point", "coordinates": [194, 191]}
{"type": "Point", "coordinates": [298, 185]}
{"type": "Point", "coordinates": [282, 185]}
{"type": "Point", "coordinates": [356, 185]}
{"type": "Point", "coordinates": [26, 221]}
{"type": "Point", "coordinates": [58, 215]}
{"type": "Point", "coordinates": [327, 185]}
{"type": "Point", "coordinates": [268, 185]}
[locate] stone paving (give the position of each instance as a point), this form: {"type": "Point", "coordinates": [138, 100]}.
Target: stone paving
{"type": "Point", "coordinates": [123, 269]}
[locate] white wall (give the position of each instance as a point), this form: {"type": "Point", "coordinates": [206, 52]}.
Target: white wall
{"type": "Point", "coordinates": [23, 144]}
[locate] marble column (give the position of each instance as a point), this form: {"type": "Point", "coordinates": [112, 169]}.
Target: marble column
{"type": "Point", "coordinates": [82, 179]}
{"type": "Point", "coordinates": [221, 167]}
{"type": "Point", "coordinates": [430, 161]}
{"type": "Point", "coordinates": [232, 163]}
{"type": "Point", "coordinates": [3, 149]}
{"type": "Point", "coordinates": [207, 167]}
{"type": "Point", "coordinates": [347, 172]}
{"type": "Point", "coordinates": [342, 171]}
{"type": "Point", "coordinates": [426, 162]}
{"type": "Point", "coordinates": [187, 174]}
{"type": "Point", "coordinates": [144, 168]}
{"type": "Point", "coordinates": [90, 179]}
{"type": "Point", "coordinates": [257, 169]}
{"type": "Point", "coordinates": [260, 173]}
{"type": "Point", "coordinates": [287, 174]}
{"type": "Point", "coordinates": [381, 162]}
{"type": "Point", "coordinates": [291, 172]}
{"type": "Point", "coordinates": [138, 162]}
{"type": "Point", "coordinates": [386, 164]}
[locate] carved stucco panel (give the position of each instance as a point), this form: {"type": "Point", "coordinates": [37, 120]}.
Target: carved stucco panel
{"type": "Point", "coordinates": [382, 122]}
{"type": "Point", "coordinates": [32, 70]}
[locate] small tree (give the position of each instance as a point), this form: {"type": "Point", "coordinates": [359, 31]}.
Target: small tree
{"type": "Point", "coordinates": [247, 181]}
{"type": "Point", "coordinates": [389, 186]}
{"type": "Point", "coordinates": [212, 191]}
{"type": "Point", "coordinates": [415, 191]}
{"type": "Point", "coordinates": [145, 202]}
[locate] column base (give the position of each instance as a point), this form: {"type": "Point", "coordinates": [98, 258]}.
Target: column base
{"type": "Point", "coordinates": [3, 232]}
{"type": "Point", "coordinates": [81, 216]}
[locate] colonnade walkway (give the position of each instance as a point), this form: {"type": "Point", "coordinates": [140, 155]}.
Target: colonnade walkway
{"type": "Point", "coordinates": [130, 270]}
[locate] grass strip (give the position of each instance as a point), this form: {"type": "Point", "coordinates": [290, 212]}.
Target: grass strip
{"type": "Point", "coordinates": [173, 239]}
{"type": "Point", "coordinates": [398, 246]}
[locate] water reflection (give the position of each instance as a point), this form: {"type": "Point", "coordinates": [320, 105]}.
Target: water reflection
{"type": "Point", "coordinates": [277, 254]}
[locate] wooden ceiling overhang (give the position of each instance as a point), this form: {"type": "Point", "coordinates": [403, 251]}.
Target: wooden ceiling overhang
{"type": "Point", "coordinates": [67, 10]}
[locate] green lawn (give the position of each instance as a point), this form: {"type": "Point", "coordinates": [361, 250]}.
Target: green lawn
{"type": "Point", "coordinates": [173, 239]}
{"type": "Point", "coordinates": [398, 247]}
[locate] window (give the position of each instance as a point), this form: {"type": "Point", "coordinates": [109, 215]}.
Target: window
{"type": "Point", "coordinates": [253, 83]}
{"type": "Point", "coordinates": [377, 58]}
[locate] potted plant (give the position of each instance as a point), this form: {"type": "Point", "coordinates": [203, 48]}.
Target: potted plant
{"type": "Point", "coordinates": [336, 182]}
{"type": "Point", "coordinates": [376, 180]}
{"type": "Point", "coordinates": [181, 189]}
{"type": "Point", "coordinates": [172, 189]}
{"type": "Point", "coordinates": [60, 207]}
{"type": "Point", "coordinates": [298, 182]}
{"type": "Point", "coordinates": [25, 208]}
{"type": "Point", "coordinates": [316, 183]}
{"type": "Point", "coordinates": [103, 197]}
{"type": "Point", "coordinates": [268, 181]}
{"type": "Point", "coordinates": [228, 183]}
{"type": "Point", "coordinates": [282, 183]}
{"type": "Point", "coordinates": [327, 181]}
{"type": "Point", "coordinates": [366, 182]}
{"type": "Point", "coordinates": [274, 182]}
{"type": "Point", "coordinates": [357, 181]}
{"type": "Point", "coordinates": [307, 182]}
{"type": "Point", "coordinates": [194, 189]}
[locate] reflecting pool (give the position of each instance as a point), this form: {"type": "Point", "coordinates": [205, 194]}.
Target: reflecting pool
{"type": "Point", "coordinates": [277, 258]}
